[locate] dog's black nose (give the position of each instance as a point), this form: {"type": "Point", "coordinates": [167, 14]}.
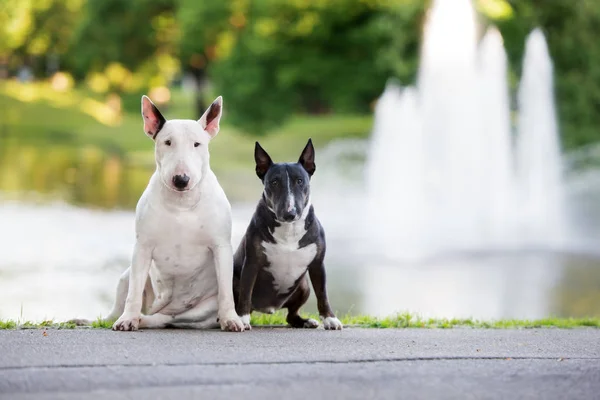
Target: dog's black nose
{"type": "Point", "coordinates": [181, 181]}
{"type": "Point", "coordinates": [289, 216]}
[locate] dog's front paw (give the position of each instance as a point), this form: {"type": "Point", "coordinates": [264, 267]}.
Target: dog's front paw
{"type": "Point", "coordinates": [231, 322]}
{"type": "Point", "coordinates": [246, 322]}
{"type": "Point", "coordinates": [311, 323]}
{"type": "Point", "coordinates": [127, 322]}
{"type": "Point", "coordinates": [332, 323]}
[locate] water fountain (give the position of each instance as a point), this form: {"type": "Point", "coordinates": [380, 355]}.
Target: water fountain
{"type": "Point", "coordinates": [455, 180]}
{"type": "Point", "coordinates": [539, 166]}
{"type": "Point", "coordinates": [464, 198]}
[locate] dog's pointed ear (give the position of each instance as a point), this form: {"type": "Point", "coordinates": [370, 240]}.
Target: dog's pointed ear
{"type": "Point", "coordinates": [210, 120]}
{"type": "Point", "coordinates": [263, 161]}
{"type": "Point", "coordinates": [307, 158]}
{"type": "Point", "coordinates": [153, 119]}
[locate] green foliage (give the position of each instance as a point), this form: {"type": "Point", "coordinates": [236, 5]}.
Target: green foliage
{"type": "Point", "coordinates": [48, 324]}
{"type": "Point", "coordinates": [273, 58]}
{"type": "Point", "coordinates": [201, 22]}
{"type": "Point", "coordinates": [310, 57]}
{"type": "Point", "coordinates": [126, 32]}
{"type": "Point", "coordinates": [32, 30]}
{"type": "Point", "coordinates": [408, 320]}
{"type": "Point", "coordinates": [8, 324]}
{"type": "Point", "coordinates": [102, 324]}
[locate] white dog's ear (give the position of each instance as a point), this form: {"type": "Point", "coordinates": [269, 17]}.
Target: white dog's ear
{"type": "Point", "coordinates": [153, 119]}
{"type": "Point", "coordinates": [307, 158]}
{"type": "Point", "coordinates": [210, 120]}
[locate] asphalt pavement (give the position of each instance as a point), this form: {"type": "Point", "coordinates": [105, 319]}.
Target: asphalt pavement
{"type": "Point", "coordinates": [284, 363]}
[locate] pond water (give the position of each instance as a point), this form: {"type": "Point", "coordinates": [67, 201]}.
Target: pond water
{"type": "Point", "coordinates": [66, 234]}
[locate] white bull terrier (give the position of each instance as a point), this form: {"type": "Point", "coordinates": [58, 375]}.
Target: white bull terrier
{"type": "Point", "coordinates": [181, 272]}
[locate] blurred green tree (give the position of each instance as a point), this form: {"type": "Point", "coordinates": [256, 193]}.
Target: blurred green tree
{"type": "Point", "coordinates": [200, 23]}
{"type": "Point", "coordinates": [36, 33]}
{"type": "Point", "coordinates": [126, 47]}
{"type": "Point", "coordinates": [127, 32]}
{"type": "Point", "coordinates": [270, 58]}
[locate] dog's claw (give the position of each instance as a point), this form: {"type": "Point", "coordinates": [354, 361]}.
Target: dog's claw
{"type": "Point", "coordinates": [233, 327]}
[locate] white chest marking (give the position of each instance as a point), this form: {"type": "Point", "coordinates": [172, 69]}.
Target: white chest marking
{"type": "Point", "coordinates": [287, 261]}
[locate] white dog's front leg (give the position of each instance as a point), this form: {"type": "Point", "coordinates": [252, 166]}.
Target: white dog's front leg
{"type": "Point", "coordinates": [228, 318]}
{"type": "Point", "coordinates": [140, 266]}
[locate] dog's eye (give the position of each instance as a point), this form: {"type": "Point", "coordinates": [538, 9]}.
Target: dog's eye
{"type": "Point", "coordinates": [299, 181]}
{"type": "Point", "coordinates": [274, 182]}
{"type": "Point", "coordinates": [168, 142]}
{"type": "Point", "coordinates": [196, 144]}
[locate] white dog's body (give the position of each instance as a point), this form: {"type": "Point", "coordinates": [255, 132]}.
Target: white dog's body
{"type": "Point", "coordinates": [181, 272]}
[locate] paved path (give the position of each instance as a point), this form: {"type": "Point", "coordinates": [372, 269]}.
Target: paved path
{"type": "Point", "coordinates": [294, 364]}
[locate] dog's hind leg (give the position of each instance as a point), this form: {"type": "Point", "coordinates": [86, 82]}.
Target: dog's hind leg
{"type": "Point", "coordinates": [293, 304]}
{"type": "Point", "coordinates": [148, 296]}
{"type": "Point", "coordinates": [204, 315]}
{"type": "Point", "coordinates": [121, 296]}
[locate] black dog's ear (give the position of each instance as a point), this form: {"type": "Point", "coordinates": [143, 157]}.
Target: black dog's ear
{"type": "Point", "coordinates": [307, 158]}
{"type": "Point", "coordinates": [263, 161]}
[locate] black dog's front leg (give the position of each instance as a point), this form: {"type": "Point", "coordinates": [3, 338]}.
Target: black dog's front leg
{"type": "Point", "coordinates": [316, 270]}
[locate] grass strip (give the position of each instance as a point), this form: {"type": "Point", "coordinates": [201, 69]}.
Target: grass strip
{"type": "Point", "coordinates": [400, 320]}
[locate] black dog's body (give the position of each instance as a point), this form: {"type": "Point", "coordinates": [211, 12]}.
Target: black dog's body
{"type": "Point", "coordinates": [283, 245]}
{"type": "Point", "coordinates": [251, 255]}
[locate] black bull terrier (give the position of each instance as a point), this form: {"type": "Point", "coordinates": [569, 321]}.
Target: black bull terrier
{"type": "Point", "coordinates": [283, 241]}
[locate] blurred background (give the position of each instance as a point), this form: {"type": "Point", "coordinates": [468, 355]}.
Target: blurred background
{"type": "Point", "coordinates": [457, 143]}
